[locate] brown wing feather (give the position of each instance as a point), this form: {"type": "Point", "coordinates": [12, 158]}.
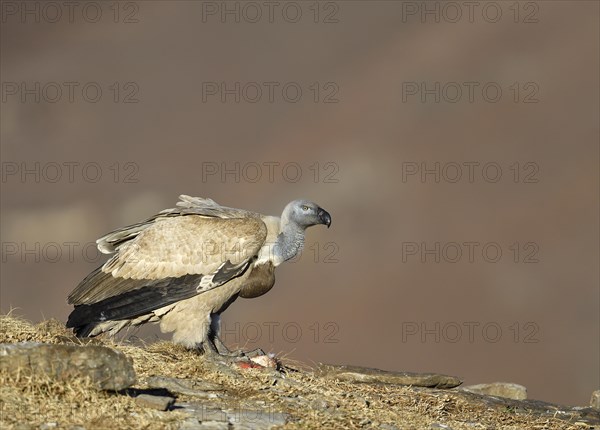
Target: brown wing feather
{"type": "Point", "coordinates": [111, 242]}
{"type": "Point", "coordinates": [175, 246]}
{"type": "Point", "coordinates": [191, 244]}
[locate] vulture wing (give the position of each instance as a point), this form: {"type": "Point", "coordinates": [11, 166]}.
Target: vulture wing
{"type": "Point", "coordinates": [175, 255]}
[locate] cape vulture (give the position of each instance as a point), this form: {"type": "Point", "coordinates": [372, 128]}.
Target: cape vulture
{"type": "Point", "coordinates": [185, 266]}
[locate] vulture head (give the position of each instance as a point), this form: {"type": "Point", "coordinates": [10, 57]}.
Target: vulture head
{"type": "Point", "coordinates": [306, 214]}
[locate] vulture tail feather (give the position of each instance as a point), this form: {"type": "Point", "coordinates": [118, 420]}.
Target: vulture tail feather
{"type": "Point", "coordinates": [132, 304]}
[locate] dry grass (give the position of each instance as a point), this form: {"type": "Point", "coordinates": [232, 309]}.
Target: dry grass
{"type": "Point", "coordinates": [311, 402]}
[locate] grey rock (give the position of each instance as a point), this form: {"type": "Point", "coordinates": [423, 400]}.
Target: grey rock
{"type": "Point", "coordinates": [241, 416]}
{"type": "Point", "coordinates": [107, 368]}
{"type": "Point", "coordinates": [204, 411]}
{"type": "Point", "coordinates": [160, 403]}
{"type": "Point", "coordinates": [499, 389]}
{"type": "Point", "coordinates": [214, 425]}
{"type": "Point", "coordinates": [256, 420]}
{"type": "Point", "coordinates": [595, 400]}
{"type": "Point", "coordinates": [219, 366]}
{"type": "Point", "coordinates": [369, 375]}
{"type": "Point", "coordinates": [191, 423]}
{"type": "Point", "coordinates": [194, 424]}
{"type": "Point", "coordinates": [532, 408]}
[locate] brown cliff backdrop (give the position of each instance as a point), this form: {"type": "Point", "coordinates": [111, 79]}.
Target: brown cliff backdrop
{"type": "Point", "coordinates": [455, 145]}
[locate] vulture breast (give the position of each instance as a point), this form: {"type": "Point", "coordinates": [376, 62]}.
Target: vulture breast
{"type": "Point", "coordinates": [259, 282]}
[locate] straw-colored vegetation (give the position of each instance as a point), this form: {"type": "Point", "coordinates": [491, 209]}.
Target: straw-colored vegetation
{"type": "Point", "coordinates": [309, 401]}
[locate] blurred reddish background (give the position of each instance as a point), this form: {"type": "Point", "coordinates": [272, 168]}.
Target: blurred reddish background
{"type": "Point", "coordinates": [357, 139]}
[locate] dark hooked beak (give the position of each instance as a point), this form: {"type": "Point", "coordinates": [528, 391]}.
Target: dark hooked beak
{"type": "Point", "coordinates": [324, 217]}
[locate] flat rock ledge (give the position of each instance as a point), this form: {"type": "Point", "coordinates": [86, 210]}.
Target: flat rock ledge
{"type": "Point", "coordinates": [374, 376]}
{"type": "Point", "coordinates": [107, 368]}
{"type": "Point", "coordinates": [499, 389]}
{"type": "Point", "coordinates": [574, 414]}
{"type": "Point", "coordinates": [209, 405]}
{"type": "Point", "coordinates": [500, 395]}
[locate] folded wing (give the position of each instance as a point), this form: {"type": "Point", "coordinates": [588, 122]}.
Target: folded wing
{"type": "Point", "coordinates": [177, 254]}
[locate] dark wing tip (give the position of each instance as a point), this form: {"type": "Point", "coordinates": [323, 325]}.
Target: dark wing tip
{"type": "Point", "coordinates": [79, 321]}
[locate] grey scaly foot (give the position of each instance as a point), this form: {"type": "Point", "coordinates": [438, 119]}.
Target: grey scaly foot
{"type": "Point", "coordinates": [223, 350]}
{"type": "Point", "coordinates": [254, 353]}
{"type": "Point", "coordinates": [211, 353]}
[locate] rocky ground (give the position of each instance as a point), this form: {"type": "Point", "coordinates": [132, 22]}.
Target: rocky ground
{"type": "Point", "coordinates": [49, 379]}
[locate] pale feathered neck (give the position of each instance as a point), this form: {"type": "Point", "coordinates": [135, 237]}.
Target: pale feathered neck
{"type": "Point", "coordinates": [290, 241]}
{"type": "Point", "coordinates": [286, 243]}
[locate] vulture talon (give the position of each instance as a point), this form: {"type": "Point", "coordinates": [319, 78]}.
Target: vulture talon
{"type": "Point", "coordinates": [222, 349]}
{"type": "Point", "coordinates": [211, 353]}
{"type": "Point", "coordinates": [254, 353]}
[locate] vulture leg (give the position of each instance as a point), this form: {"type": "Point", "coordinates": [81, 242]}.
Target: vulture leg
{"type": "Point", "coordinates": [213, 337]}
{"type": "Point", "coordinates": [210, 352]}
{"type": "Point", "coordinates": [219, 345]}
{"type": "Point", "coordinates": [207, 348]}
{"type": "Point", "coordinates": [222, 349]}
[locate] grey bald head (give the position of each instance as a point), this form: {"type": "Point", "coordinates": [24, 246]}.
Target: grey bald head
{"type": "Point", "coordinates": [305, 214]}
{"type": "Point", "coordinates": [295, 219]}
